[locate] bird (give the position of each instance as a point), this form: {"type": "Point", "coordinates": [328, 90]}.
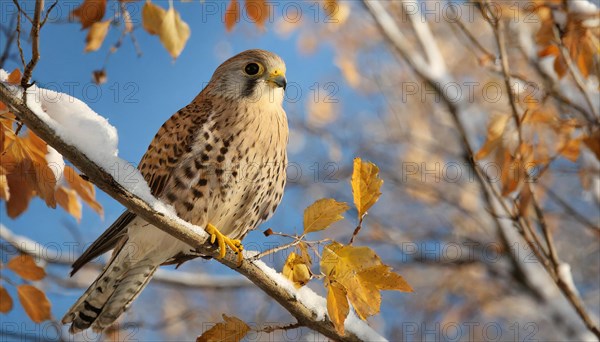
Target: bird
{"type": "Point", "coordinates": [220, 162]}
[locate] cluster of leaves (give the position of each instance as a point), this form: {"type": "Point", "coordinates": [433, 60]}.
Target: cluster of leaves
{"type": "Point", "coordinates": [352, 275]}
{"type": "Point", "coordinates": [580, 39]}
{"type": "Point", "coordinates": [532, 140]}
{"type": "Point", "coordinates": [33, 300]}
{"type": "Point", "coordinates": [26, 171]}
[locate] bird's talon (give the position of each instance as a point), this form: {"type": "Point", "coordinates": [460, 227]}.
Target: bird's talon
{"type": "Point", "coordinates": [223, 241]}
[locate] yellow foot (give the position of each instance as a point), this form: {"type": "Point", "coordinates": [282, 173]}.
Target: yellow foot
{"type": "Point", "coordinates": [222, 240]}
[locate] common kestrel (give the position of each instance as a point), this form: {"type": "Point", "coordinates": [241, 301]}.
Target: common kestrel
{"type": "Point", "coordinates": [219, 161]}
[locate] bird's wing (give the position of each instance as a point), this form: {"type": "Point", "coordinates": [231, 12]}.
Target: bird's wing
{"type": "Point", "coordinates": [169, 146]}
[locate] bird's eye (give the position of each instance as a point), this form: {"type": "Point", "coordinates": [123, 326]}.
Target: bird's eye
{"type": "Point", "coordinates": [252, 69]}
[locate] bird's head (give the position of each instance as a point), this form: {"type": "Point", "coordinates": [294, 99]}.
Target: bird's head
{"type": "Point", "coordinates": [253, 75]}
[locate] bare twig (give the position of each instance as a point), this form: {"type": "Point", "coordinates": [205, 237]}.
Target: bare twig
{"type": "Point", "coordinates": [35, 46]}
{"type": "Point", "coordinates": [272, 328]}
{"type": "Point", "coordinates": [16, 2]}
{"type": "Point", "coordinates": [498, 27]}
{"type": "Point", "coordinates": [48, 11]}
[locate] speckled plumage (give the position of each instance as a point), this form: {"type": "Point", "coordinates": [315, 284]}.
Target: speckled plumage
{"type": "Point", "coordinates": [219, 160]}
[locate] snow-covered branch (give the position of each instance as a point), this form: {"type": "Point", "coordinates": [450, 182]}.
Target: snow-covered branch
{"type": "Point", "coordinates": [50, 120]}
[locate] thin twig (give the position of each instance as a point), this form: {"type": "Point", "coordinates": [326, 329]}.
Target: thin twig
{"type": "Point", "coordinates": [35, 47]}
{"type": "Point", "coordinates": [48, 13]}
{"type": "Point", "coordinates": [271, 328]}
{"type": "Point", "coordinates": [16, 2]}
{"type": "Point", "coordinates": [498, 27]}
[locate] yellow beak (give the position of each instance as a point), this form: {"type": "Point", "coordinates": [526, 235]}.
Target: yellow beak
{"type": "Point", "coordinates": [277, 77]}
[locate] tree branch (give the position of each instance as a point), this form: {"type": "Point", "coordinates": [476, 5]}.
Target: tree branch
{"type": "Point", "coordinates": [176, 278]}
{"type": "Point", "coordinates": [195, 238]}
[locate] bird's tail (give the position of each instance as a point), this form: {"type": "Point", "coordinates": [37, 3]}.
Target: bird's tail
{"type": "Point", "coordinates": [111, 293]}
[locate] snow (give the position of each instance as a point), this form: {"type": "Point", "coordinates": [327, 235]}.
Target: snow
{"type": "Point", "coordinates": [582, 6]}
{"type": "Point", "coordinates": [56, 163]}
{"type": "Point", "coordinates": [78, 125]}
{"type": "Point", "coordinates": [318, 304]}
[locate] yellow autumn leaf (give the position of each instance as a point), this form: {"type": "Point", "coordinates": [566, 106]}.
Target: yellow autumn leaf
{"type": "Point", "coordinates": [337, 306]}
{"type": "Point", "coordinates": [96, 35]}
{"type": "Point", "coordinates": [34, 302]}
{"type": "Point", "coordinates": [382, 277]}
{"type": "Point", "coordinates": [67, 199]}
{"type": "Point", "coordinates": [152, 17]}
{"type": "Point", "coordinates": [6, 302]}
{"type": "Point", "coordinates": [362, 274]}
{"type": "Point", "coordinates": [366, 185]}
{"type": "Point", "coordinates": [232, 329]}
{"type": "Point", "coordinates": [322, 214]}
{"type": "Point", "coordinates": [296, 270]}
{"type": "Point", "coordinates": [26, 268]}
{"type": "Point", "coordinates": [174, 33]}
{"type": "Point", "coordinates": [232, 14]}
{"type": "Point", "coordinates": [304, 253]}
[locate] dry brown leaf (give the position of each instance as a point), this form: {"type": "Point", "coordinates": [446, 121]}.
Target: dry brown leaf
{"type": "Point", "coordinates": [258, 11]}
{"type": "Point", "coordinates": [337, 306]}
{"type": "Point", "coordinates": [96, 35]}
{"type": "Point", "coordinates": [232, 329]}
{"type": "Point", "coordinates": [34, 302]}
{"type": "Point", "coordinates": [322, 214]}
{"type": "Point", "coordinates": [232, 14]}
{"type": "Point", "coordinates": [593, 142]}
{"type": "Point", "coordinates": [4, 189]}
{"type": "Point", "coordinates": [152, 17]}
{"type": "Point", "coordinates": [84, 189]}
{"type": "Point", "coordinates": [20, 196]}
{"type": "Point", "coordinates": [174, 33]}
{"type": "Point", "coordinates": [296, 270]}
{"type": "Point", "coordinates": [68, 200]}
{"type": "Point", "coordinates": [14, 77]}
{"type": "Point", "coordinates": [366, 185]}
{"type": "Point", "coordinates": [494, 135]}
{"type": "Point", "coordinates": [45, 180]}
{"type": "Point", "coordinates": [99, 76]}
{"type": "Point", "coordinates": [90, 12]}
{"type": "Point", "coordinates": [26, 268]}
{"type": "Point", "coordinates": [6, 302]}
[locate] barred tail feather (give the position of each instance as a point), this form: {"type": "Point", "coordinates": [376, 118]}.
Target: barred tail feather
{"type": "Point", "coordinates": [111, 293]}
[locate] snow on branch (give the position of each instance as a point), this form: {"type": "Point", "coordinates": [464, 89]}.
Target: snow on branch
{"type": "Point", "coordinates": [89, 142]}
